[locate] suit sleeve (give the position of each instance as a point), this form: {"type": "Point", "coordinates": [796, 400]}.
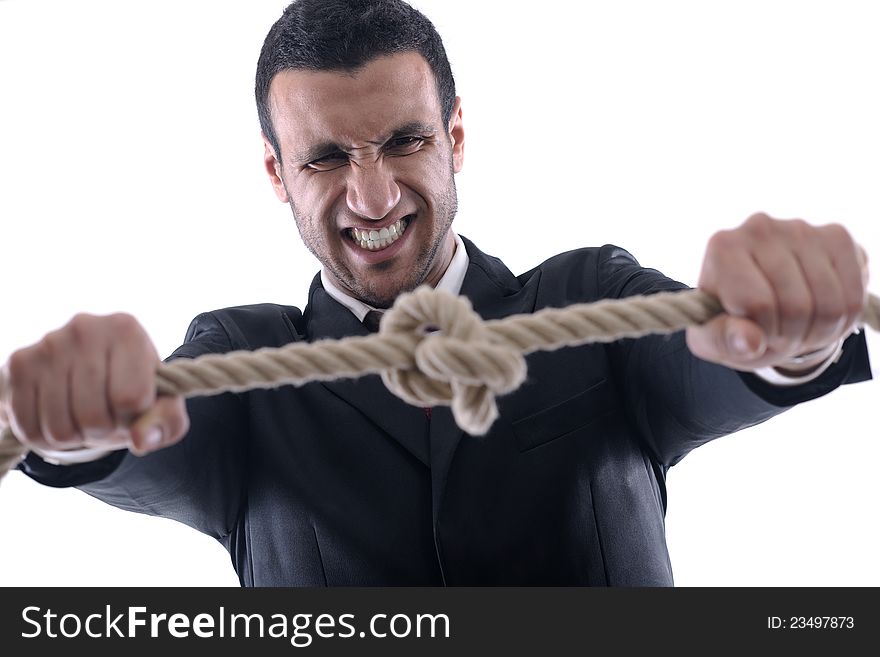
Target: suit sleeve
{"type": "Point", "coordinates": [679, 402]}
{"type": "Point", "coordinates": [199, 481]}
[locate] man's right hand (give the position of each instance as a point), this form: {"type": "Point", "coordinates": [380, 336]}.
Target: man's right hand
{"type": "Point", "coordinates": [91, 383]}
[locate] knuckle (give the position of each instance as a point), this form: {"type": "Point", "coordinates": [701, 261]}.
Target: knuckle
{"type": "Point", "coordinates": [124, 324]}
{"type": "Point", "coordinates": [80, 327]}
{"type": "Point", "coordinates": [53, 345]}
{"type": "Point", "coordinates": [20, 364]}
{"type": "Point", "coordinates": [721, 242]}
{"type": "Point", "coordinates": [758, 217]}
{"type": "Point", "coordinates": [799, 230]}
{"type": "Point", "coordinates": [838, 234]}
{"type": "Point", "coordinates": [759, 223]}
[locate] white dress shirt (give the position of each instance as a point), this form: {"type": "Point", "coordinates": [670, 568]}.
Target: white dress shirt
{"type": "Point", "coordinates": [451, 281]}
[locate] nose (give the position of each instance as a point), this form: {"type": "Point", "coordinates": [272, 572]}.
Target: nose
{"type": "Point", "coordinates": [372, 191]}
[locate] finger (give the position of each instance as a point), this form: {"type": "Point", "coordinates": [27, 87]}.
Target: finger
{"type": "Point", "coordinates": [863, 263]}
{"type": "Point", "coordinates": [53, 401]}
{"type": "Point", "coordinates": [736, 342]}
{"type": "Point", "coordinates": [731, 274]}
{"type": "Point", "coordinates": [829, 310]}
{"type": "Point", "coordinates": [131, 387]}
{"type": "Point", "coordinates": [162, 426]}
{"type": "Point", "coordinates": [792, 296]}
{"type": "Point", "coordinates": [21, 394]}
{"type": "Point", "coordinates": [24, 416]}
{"type": "Point", "coordinates": [88, 383]}
{"type": "Point", "coordinates": [866, 279]}
{"type": "Point", "coordinates": [56, 421]}
{"type": "Point", "coordinates": [4, 387]}
{"type": "Point", "coordinates": [847, 260]}
{"type": "Point", "coordinates": [4, 417]}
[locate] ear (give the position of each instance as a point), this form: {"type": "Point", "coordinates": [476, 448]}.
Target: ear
{"type": "Point", "coordinates": [273, 168]}
{"type": "Point", "coordinates": [456, 135]}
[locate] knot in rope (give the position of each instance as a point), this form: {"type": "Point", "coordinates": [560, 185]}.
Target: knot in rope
{"type": "Point", "coordinates": [433, 349]}
{"type": "Point", "coordinates": [456, 361]}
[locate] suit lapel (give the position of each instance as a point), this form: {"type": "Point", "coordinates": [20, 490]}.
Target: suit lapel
{"type": "Point", "coordinates": [326, 318]}
{"type": "Point", "coordinates": [494, 293]}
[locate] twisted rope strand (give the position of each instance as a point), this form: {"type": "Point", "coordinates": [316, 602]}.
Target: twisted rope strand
{"type": "Point", "coordinates": [464, 364]}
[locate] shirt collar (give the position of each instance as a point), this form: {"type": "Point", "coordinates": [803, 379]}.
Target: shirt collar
{"type": "Point", "coordinates": [451, 281]}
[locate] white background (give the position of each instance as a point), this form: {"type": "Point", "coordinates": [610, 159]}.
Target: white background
{"type": "Point", "coordinates": [131, 180]}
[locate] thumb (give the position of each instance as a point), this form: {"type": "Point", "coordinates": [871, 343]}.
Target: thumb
{"type": "Point", "coordinates": [161, 426]}
{"type": "Point", "coordinates": [733, 341]}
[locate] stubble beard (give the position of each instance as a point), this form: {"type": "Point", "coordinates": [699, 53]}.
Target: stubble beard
{"type": "Point", "coordinates": [446, 207]}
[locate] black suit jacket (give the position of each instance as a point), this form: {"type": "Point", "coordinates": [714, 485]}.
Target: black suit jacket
{"type": "Point", "coordinates": [342, 483]}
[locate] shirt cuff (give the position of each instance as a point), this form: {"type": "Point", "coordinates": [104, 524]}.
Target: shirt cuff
{"type": "Point", "coordinates": [776, 377]}
{"type": "Point", "coordinates": [72, 456]}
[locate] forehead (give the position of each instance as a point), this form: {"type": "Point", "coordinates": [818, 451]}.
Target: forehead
{"type": "Point", "coordinates": [350, 108]}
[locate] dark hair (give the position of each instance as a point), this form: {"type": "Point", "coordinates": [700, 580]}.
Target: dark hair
{"type": "Point", "coordinates": [345, 35]}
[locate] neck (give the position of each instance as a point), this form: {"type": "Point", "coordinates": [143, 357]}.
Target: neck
{"type": "Point", "coordinates": [444, 257]}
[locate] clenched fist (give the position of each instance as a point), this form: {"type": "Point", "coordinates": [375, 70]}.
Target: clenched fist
{"type": "Point", "coordinates": [91, 383]}
{"type": "Point", "coordinates": [788, 289]}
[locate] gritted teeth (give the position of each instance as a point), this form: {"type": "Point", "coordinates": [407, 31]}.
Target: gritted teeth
{"type": "Point", "coordinates": [373, 240]}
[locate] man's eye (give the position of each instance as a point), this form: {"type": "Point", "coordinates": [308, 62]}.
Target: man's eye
{"type": "Point", "coordinates": [328, 162]}
{"type": "Point", "coordinates": [405, 143]}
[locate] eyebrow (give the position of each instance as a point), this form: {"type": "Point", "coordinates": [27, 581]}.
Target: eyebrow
{"type": "Point", "coordinates": [326, 148]}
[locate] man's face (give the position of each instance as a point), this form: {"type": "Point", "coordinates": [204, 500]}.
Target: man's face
{"type": "Point", "coordinates": [367, 167]}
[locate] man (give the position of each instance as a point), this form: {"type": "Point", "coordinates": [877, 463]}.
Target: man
{"type": "Point", "coordinates": [341, 483]}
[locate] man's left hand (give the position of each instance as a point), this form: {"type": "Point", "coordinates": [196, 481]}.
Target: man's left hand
{"type": "Point", "coordinates": [787, 288]}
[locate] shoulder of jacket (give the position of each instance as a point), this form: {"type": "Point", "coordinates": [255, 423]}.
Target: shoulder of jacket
{"type": "Point", "coordinates": [586, 258]}
{"type": "Point", "coordinates": [576, 275]}
{"type": "Point", "coordinates": [251, 326]}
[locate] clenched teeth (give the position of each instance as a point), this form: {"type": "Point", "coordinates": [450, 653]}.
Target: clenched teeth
{"type": "Point", "coordinates": [373, 240]}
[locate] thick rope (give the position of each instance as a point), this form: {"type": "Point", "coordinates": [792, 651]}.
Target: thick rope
{"type": "Point", "coordinates": [433, 349]}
